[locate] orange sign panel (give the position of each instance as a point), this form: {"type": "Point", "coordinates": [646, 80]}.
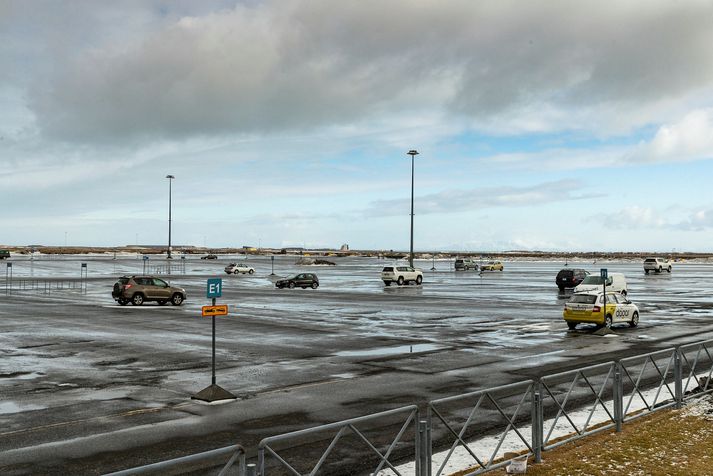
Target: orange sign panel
{"type": "Point", "coordinates": [221, 310]}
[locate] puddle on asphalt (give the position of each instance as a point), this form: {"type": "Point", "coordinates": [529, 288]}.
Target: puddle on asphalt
{"type": "Point", "coordinates": [346, 375]}
{"type": "Point", "coordinates": [401, 349]}
{"type": "Point", "coordinates": [12, 407]}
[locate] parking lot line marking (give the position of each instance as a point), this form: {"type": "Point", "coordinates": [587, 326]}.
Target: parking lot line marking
{"type": "Point", "coordinates": [84, 420]}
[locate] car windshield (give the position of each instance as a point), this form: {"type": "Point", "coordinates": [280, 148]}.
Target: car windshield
{"type": "Point", "coordinates": [597, 280]}
{"type": "Point", "coordinates": [583, 298]}
{"type": "Point", "coordinates": [650, 260]}
{"type": "Point", "coordinates": [388, 269]}
{"type": "Point", "coordinates": [565, 273]}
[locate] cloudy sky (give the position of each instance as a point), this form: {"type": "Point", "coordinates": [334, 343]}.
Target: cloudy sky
{"type": "Point", "coordinates": [551, 125]}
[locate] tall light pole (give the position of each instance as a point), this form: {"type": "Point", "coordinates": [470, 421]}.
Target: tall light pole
{"type": "Point", "coordinates": [412, 153]}
{"type": "Point", "coordinates": [170, 179]}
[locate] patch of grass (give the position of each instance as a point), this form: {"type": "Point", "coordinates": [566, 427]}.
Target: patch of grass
{"type": "Point", "coordinates": [669, 442]}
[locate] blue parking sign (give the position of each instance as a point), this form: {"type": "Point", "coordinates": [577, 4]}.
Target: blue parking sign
{"type": "Point", "coordinates": [214, 288]}
{"type": "Point", "coordinates": [603, 272]}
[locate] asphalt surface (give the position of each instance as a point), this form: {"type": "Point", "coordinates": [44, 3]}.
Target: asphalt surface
{"type": "Point", "coordinates": [88, 386]}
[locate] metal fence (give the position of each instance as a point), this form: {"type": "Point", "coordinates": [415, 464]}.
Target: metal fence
{"type": "Point", "coordinates": [43, 285]}
{"type": "Point", "coordinates": [234, 453]}
{"type": "Point", "coordinates": [499, 411]}
{"type": "Point", "coordinates": [527, 418]}
{"type": "Point", "coordinates": [359, 428]}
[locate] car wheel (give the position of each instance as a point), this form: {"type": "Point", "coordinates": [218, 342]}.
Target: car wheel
{"type": "Point", "coordinates": [123, 302]}
{"type": "Point", "coordinates": [561, 289]}
{"type": "Point", "coordinates": [400, 281]}
{"type": "Point", "coordinates": [387, 283]}
{"type": "Point", "coordinates": [251, 271]}
{"type": "Point", "coordinates": [571, 325]}
{"type": "Point", "coordinates": [634, 320]}
{"type": "Point", "coordinates": [419, 279]}
{"type": "Point", "coordinates": [291, 285]}
{"type": "Point", "coordinates": [177, 299]}
{"type": "Point", "coordinates": [669, 269]}
{"type": "Point", "coordinates": [660, 269]}
{"type": "Point", "coordinates": [162, 302]}
{"type": "Point", "coordinates": [137, 299]}
{"type": "Point", "coordinates": [608, 321]}
{"type": "Point", "coordinates": [646, 271]}
{"type": "Point", "coordinates": [315, 285]}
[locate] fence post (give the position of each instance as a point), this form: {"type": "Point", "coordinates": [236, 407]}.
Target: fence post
{"type": "Point", "coordinates": [251, 470]}
{"type": "Point", "coordinates": [618, 397]}
{"type": "Point", "coordinates": [678, 376]}
{"type": "Point", "coordinates": [537, 423]}
{"type": "Point", "coordinates": [423, 443]}
{"type": "Point", "coordinates": [261, 461]}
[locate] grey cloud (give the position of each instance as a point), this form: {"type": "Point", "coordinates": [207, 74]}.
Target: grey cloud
{"type": "Point", "coordinates": [461, 200]}
{"type": "Point", "coordinates": [297, 65]}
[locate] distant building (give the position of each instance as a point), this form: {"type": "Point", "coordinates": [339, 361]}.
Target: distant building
{"type": "Point", "coordinates": [345, 247]}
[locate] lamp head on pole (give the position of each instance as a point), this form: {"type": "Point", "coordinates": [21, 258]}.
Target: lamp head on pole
{"type": "Point", "coordinates": [170, 177]}
{"type": "Point", "coordinates": [412, 153]}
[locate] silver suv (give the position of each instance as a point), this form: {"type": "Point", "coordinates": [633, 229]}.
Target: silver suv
{"type": "Point", "coordinates": [139, 289]}
{"type": "Point", "coordinates": [464, 264]}
{"type": "Point", "coordinates": [657, 265]}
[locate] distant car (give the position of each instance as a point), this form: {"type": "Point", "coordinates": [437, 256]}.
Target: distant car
{"type": "Point", "coordinates": [302, 280]}
{"type": "Point", "coordinates": [4, 254]}
{"type": "Point", "coordinates": [464, 264]}
{"type": "Point", "coordinates": [570, 277]}
{"type": "Point", "coordinates": [401, 275]}
{"type": "Point", "coordinates": [657, 265]}
{"type": "Point", "coordinates": [235, 268]}
{"type": "Point", "coordinates": [492, 266]}
{"type": "Point", "coordinates": [139, 289]}
{"type": "Point", "coordinates": [589, 308]}
{"type": "Point", "coordinates": [210, 256]}
{"type": "Point", "coordinates": [616, 282]}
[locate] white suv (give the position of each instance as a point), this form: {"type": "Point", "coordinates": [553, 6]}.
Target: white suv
{"type": "Point", "coordinates": [401, 275]}
{"type": "Point", "coordinates": [657, 265]}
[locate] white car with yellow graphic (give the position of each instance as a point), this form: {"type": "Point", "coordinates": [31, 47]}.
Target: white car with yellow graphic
{"type": "Point", "coordinates": [588, 307]}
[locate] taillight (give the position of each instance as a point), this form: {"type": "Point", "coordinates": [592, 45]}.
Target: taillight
{"type": "Point", "coordinates": [127, 286]}
{"type": "Point", "coordinates": [596, 309]}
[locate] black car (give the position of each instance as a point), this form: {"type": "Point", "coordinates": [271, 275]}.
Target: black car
{"type": "Point", "coordinates": [4, 254]}
{"type": "Point", "coordinates": [570, 277]}
{"type": "Point", "coordinates": [302, 280]}
{"type": "Point", "coordinates": [210, 256]}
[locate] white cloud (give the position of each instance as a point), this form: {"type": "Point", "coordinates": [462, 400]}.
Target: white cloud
{"type": "Point", "coordinates": [691, 138]}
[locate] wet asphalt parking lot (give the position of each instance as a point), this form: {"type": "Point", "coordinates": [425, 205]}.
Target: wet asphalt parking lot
{"type": "Point", "coordinates": [88, 386]}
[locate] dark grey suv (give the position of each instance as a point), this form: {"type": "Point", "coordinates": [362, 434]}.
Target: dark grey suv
{"type": "Point", "coordinates": [570, 277]}
{"type": "Point", "coordinates": [139, 289]}
{"type": "Point", "coordinates": [302, 280]}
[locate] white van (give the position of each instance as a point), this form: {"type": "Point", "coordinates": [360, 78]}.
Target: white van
{"type": "Point", "coordinates": [616, 283]}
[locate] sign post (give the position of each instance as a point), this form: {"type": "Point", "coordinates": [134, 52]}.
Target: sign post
{"type": "Point", "coordinates": [604, 274]}
{"type": "Point", "coordinates": [212, 393]}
